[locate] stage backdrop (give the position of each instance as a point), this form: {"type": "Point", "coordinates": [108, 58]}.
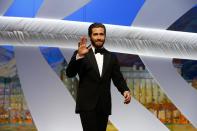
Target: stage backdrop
{"type": "Point", "coordinates": [35, 93]}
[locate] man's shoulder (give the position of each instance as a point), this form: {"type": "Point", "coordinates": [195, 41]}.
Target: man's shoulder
{"type": "Point", "coordinates": [113, 55]}
{"type": "Point", "coordinates": [107, 51]}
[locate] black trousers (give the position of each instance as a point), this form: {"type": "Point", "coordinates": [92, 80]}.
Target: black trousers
{"type": "Point", "coordinates": [94, 121]}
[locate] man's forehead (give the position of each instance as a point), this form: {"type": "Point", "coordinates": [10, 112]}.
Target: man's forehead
{"type": "Point", "coordinates": [97, 29]}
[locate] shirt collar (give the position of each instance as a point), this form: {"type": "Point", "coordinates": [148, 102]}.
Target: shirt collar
{"type": "Point", "coordinates": [93, 48]}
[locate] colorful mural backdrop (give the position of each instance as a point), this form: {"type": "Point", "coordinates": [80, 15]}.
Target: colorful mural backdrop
{"type": "Point", "coordinates": [14, 111]}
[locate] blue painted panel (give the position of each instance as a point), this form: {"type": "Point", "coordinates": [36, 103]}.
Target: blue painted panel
{"type": "Point", "coordinates": [24, 8]}
{"type": "Point", "coordinates": [108, 11]}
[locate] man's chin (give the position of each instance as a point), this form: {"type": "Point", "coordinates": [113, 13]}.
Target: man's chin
{"type": "Point", "coordinates": [99, 45]}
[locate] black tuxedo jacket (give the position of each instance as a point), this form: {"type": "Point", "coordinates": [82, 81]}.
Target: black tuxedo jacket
{"type": "Point", "coordinates": [94, 88]}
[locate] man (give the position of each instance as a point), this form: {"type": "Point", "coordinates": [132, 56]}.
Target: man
{"type": "Point", "coordinates": [96, 68]}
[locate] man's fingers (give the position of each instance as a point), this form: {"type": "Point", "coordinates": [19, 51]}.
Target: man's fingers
{"type": "Point", "coordinates": [127, 97]}
{"type": "Point", "coordinates": [83, 40]}
{"type": "Point", "coordinates": [82, 43]}
{"type": "Point", "coordinates": [127, 101]}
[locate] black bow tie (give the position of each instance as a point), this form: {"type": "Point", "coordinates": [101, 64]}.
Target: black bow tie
{"type": "Point", "coordinates": [100, 50]}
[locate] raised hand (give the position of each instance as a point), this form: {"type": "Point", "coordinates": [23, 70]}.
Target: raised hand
{"type": "Point", "coordinates": [82, 49]}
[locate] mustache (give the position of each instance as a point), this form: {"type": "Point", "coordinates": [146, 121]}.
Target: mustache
{"type": "Point", "coordinates": [99, 41]}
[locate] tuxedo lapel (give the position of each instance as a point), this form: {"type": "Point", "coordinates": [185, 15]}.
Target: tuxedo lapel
{"type": "Point", "coordinates": [92, 60]}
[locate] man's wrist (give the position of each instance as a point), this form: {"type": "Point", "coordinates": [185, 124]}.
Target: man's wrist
{"type": "Point", "coordinates": [126, 91]}
{"type": "Point", "coordinates": [79, 57]}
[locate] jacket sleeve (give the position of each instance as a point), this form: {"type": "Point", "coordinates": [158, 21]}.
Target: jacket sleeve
{"type": "Point", "coordinates": [117, 76]}
{"type": "Point", "coordinates": [73, 66]}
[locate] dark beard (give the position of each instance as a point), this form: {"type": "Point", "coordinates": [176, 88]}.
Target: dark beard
{"type": "Point", "coordinates": [97, 46]}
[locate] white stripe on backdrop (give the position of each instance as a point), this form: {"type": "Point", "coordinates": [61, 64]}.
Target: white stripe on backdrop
{"type": "Point", "coordinates": [51, 105]}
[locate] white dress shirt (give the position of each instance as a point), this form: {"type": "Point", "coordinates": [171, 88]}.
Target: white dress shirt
{"type": "Point", "coordinates": [99, 60]}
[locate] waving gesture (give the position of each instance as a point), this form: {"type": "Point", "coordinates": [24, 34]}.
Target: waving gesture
{"type": "Point", "coordinates": [82, 49]}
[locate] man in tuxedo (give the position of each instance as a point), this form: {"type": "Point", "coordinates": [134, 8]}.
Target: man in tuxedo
{"type": "Point", "coordinates": [96, 68]}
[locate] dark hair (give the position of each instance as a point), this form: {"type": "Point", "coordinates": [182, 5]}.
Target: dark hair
{"type": "Point", "coordinates": [95, 25]}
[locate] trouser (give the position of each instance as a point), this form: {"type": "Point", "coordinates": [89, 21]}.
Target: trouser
{"type": "Point", "coordinates": [94, 121]}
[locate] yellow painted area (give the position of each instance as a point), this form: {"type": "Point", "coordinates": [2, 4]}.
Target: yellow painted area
{"type": "Point", "coordinates": [111, 127]}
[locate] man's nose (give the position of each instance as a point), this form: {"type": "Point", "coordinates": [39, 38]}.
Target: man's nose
{"type": "Point", "coordinates": [99, 37]}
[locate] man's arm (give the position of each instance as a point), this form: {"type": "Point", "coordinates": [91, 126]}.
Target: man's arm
{"type": "Point", "coordinates": [78, 55]}
{"type": "Point", "coordinates": [119, 81]}
{"type": "Point", "coordinates": [117, 77]}
{"type": "Point", "coordinates": [73, 67]}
